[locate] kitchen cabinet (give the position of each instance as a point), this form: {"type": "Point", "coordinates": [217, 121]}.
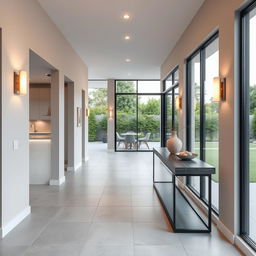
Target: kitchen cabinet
{"type": "Point", "coordinates": [40, 103]}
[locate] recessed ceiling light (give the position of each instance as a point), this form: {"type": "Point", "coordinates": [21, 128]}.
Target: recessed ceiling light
{"type": "Point", "coordinates": [126, 16]}
{"type": "Point", "coordinates": [128, 60]}
{"type": "Point", "coordinates": [127, 37]}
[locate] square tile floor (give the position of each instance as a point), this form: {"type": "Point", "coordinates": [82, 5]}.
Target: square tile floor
{"type": "Point", "coordinates": [107, 208]}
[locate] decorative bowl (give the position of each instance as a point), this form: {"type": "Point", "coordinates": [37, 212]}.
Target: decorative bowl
{"type": "Point", "coordinates": [186, 157]}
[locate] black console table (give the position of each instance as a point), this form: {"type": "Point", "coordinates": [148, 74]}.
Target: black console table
{"type": "Point", "coordinates": [183, 216]}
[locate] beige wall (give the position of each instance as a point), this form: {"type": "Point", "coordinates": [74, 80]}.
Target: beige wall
{"type": "Point", "coordinates": [111, 121]}
{"type": "Point", "coordinates": [28, 27]}
{"type": "Point", "coordinates": [213, 15]}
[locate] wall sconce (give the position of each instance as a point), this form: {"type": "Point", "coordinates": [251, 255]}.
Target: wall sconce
{"type": "Point", "coordinates": [87, 112]}
{"type": "Point", "coordinates": [110, 113]}
{"type": "Point", "coordinates": [20, 82]}
{"type": "Point", "coordinates": [219, 89]}
{"type": "Point", "coordinates": [178, 102]}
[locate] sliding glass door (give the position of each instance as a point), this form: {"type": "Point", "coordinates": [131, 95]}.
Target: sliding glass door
{"type": "Point", "coordinates": [203, 115]}
{"type": "Point", "coordinates": [138, 118]}
{"type": "Point", "coordinates": [248, 125]}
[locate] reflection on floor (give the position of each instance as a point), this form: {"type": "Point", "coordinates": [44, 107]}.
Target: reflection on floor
{"type": "Point", "coordinates": [107, 208]}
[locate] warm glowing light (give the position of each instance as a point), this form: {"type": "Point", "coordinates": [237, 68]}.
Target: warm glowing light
{"type": "Point", "coordinates": [126, 16]}
{"type": "Point", "coordinates": [87, 112]}
{"type": "Point", "coordinates": [178, 102]}
{"type": "Point", "coordinates": [110, 113]}
{"type": "Point", "coordinates": [20, 82]}
{"type": "Point", "coordinates": [128, 60]}
{"type": "Point", "coordinates": [127, 38]}
{"type": "Point", "coordinates": [219, 89]}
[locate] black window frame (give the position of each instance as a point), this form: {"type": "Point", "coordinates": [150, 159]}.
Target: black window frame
{"type": "Point", "coordinates": [201, 51]}
{"type": "Point", "coordinates": [166, 92]}
{"type": "Point", "coordinates": [137, 94]}
{"type": "Point", "coordinates": [244, 123]}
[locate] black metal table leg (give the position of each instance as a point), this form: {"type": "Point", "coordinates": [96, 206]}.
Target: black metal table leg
{"type": "Point", "coordinates": [209, 203]}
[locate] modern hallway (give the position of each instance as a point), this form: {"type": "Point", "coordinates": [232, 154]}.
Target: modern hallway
{"type": "Point", "coordinates": [106, 208]}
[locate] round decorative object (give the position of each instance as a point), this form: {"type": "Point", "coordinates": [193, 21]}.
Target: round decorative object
{"type": "Point", "coordinates": [174, 144]}
{"type": "Point", "coordinates": [186, 156]}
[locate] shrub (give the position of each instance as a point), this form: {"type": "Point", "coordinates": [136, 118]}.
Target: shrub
{"type": "Point", "coordinates": [92, 126]}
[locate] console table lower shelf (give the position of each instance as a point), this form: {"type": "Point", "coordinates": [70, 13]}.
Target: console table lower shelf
{"type": "Point", "coordinates": [183, 216]}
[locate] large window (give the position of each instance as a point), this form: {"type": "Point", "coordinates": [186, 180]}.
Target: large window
{"type": "Point", "coordinates": [138, 107]}
{"type": "Point", "coordinates": [248, 125]}
{"type": "Point", "coordinates": [203, 115]}
{"type": "Point", "coordinates": [170, 111]}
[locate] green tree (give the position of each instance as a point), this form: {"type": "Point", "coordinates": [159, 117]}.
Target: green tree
{"type": "Point", "coordinates": [152, 107]}
{"type": "Point", "coordinates": [92, 126]}
{"type": "Point", "coordinates": [126, 103]}
{"type": "Point", "coordinates": [252, 94]}
{"type": "Point", "coordinates": [98, 100]}
{"type": "Point", "coordinates": [254, 124]}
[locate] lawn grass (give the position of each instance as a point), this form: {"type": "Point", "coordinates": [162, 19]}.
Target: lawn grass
{"type": "Point", "coordinates": [212, 159]}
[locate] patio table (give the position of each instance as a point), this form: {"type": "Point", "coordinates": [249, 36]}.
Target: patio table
{"type": "Point", "coordinates": [129, 137]}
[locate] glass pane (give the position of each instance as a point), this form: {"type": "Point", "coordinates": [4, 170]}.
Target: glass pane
{"type": "Point", "coordinates": [176, 76]}
{"type": "Point", "coordinates": [149, 122]}
{"type": "Point", "coordinates": [126, 122]}
{"type": "Point", "coordinates": [169, 82]}
{"type": "Point", "coordinates": [176, 110]}
{"type": "Point", "coordinates": [212, 118]}
{"type": "Point", "coordinates": [195, 120]}
{"type": "Point", "coordinates": [168, 107]}
{"type": "Point", "coordinates": [149, 87]}
{"type": "Point", "coordinates": [252, 118]}
{"type": "Point", "coordinates": [126, 86]}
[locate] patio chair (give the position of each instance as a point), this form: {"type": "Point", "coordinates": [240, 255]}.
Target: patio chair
{"type": "Point", "coordinates": [130, 141]}
{"type": "Point", "coordinates": [119, 139]}
{"type": "Point", "coordinates": [144, 140]}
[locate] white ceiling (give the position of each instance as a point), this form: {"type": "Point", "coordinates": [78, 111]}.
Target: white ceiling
{"type": "Point", "coordinates": [95, 29]}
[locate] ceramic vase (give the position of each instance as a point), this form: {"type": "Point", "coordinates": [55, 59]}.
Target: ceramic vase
{"type": "Point", "coordinates": [174, 144]}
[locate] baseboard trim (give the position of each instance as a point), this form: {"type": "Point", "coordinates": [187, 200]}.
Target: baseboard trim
{"type": "Point", "coordinates": [57, 182]}
{"type": "Point", "coordinates": [86, 159]}
{"type": "Point", "coordinates": [243, 246]}
{"type": "Point", "coordinates": [15, 221]}
{"type": "Point", "coordinates": [73, 169]}
{"type": "Point", "coordinates": [226, 232]}
{"type": "Point", "coordinates": [70, 169]}
{"type": "Point", "coordinates": [78, 166]}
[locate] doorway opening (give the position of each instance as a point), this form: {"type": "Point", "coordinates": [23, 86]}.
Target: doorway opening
{"type": "Point", "coordinates": [98, 116]}
{"type": "Point", "coordinates": [69, 124]}
{"type": "Point", "coordinates": [40, 123]}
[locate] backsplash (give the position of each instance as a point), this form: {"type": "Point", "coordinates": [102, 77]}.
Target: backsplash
{"type": "Point", "coordinates": [39, 126]}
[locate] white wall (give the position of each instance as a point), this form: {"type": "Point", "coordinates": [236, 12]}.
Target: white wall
{"type": "Point", "coordinates": [26, 26]}
{"type": "Point", "coordinates": [213, 15]}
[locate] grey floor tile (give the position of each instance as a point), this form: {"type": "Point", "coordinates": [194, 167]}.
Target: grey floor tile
{"type": "Point", "coordinates": [63, 233]}
{"type": "Point", "coordinates": [12, 250]}
{"type": "Point", "coordinates": [113, 214]}
{"type": "Point", "coordinates": [76, 214]}
{"type": "Point", "coordinates": [54, 250]}
{"type": "Point", "coordinates": [31, 227]}
{"type": "Point", "coordinates": [210, 244]}
{"type": "Point", "coordinates": [115, 200]}
{"type": "Point", "coordinates": [160, 250]}
{"type": "Point", "coordinates": [107, 251]}
{"type": "Point", "coordinates": [148, 214]}
{"type": "Point", "coordinates": [106, 208]}
{"type": "Point", "coordinates": [110, 234]}
{"type": "Point", "coordinates": [153, 234]}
